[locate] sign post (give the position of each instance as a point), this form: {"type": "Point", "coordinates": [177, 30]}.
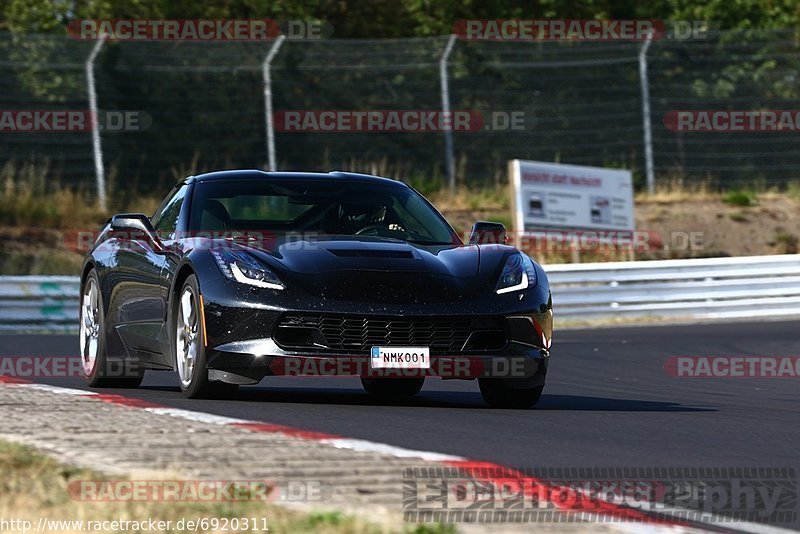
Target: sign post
{"type": "Point", "coordinates": [573, 198]}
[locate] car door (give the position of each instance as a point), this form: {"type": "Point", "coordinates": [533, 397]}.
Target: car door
{"type": "Point", "coordinates": [142, 298]}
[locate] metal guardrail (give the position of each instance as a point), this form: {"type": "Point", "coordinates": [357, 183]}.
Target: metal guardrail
{"type": "Point", "coordinates": [39, 303]}
{"type": "Point", "coordinates": [702, 288]}
{"type": "Point", "coordinates": [711, 288]}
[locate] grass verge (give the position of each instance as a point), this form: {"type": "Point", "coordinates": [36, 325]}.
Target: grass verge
{"type": "Point", "coordinates": [35, 486]}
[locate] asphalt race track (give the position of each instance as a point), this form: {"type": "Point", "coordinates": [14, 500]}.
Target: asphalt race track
{"type": "Point", "coordinates": [608, 402]}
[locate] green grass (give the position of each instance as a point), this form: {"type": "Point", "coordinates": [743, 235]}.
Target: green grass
{"type": "Point", "coordinates": [787, 243]}
{"type": "Point", "coordinates": [436, 528]}
{"type": "Point", "coordinates": [793, 191]}
{"type": "Point", "coordinates": [40, 261]}
{"type": "Point", "coordinates": [740, 198]}
{"type": "Point", "coordinates": [27, 199]}
{"type": "Point", "coordinates": [424, 184]}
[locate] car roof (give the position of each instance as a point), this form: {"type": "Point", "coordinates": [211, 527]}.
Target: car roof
{"type": "Point", "coordinates": [255, 174]}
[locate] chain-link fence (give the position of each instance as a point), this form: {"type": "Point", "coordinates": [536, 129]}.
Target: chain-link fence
{"type": "Point", "coordinates": [582, 103]}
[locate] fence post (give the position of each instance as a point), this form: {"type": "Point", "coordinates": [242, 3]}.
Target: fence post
{"type": "Point", "coordinates": [648, 130]}
{"type": "Point", "coordinates": [267, 75]}
{"type": "Point", "coordinates": [449, 156]}
{"type": "Point", "coordinates": [97, 148]}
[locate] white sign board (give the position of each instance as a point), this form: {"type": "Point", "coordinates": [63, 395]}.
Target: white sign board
{"type": "Point", "coordinates": [552, 195]}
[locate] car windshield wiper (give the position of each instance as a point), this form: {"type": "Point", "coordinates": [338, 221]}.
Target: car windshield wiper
{"type": "Point", "coordinates": [421, 240]}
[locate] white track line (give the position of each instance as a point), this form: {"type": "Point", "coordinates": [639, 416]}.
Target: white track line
{"type": "Point", "coordinates": [362, 445]}
{"type": "Point", "coordinates": [199, 417]}
{"type": "Point", "coordinates": [56, 389]}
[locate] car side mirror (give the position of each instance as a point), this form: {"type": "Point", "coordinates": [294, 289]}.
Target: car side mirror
{"type": "Point", "coordinates": [136, 226]}
{"type": "Point", "coordinates": [486, 233]}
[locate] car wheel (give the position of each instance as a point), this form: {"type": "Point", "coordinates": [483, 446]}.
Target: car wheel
{"type": "Point", "coordinates": [97, 370]}
{"type": "Point", "coordinates": [392, 388]}
{"type": "Point", "coordinates": [498, 393]}
{"type": "Point", "coordinates": [189, 346]}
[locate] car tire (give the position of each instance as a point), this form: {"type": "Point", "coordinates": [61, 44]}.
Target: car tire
{"type": "Point", "coordinates": [96, 368]}
{"type": "Point", "coordinates": [189, 348]}
{"type": "Point", "coordinates": [392, 388]}
{"type": "Point", "coordinates": [498, 393]}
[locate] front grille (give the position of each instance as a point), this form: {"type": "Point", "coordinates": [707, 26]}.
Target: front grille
{"type": "Point", "coordinates": [358, 333]}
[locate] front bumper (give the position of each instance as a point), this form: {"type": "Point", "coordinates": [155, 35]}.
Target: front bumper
{"type": "Point", "coordinates": [240, 321]}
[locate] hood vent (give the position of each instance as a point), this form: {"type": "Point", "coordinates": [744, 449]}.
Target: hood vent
{"type": "Point", "coordinates": [372, 253]}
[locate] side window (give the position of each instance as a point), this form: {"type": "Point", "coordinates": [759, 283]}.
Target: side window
{"type": "Point", "coordinates": [165, 220]}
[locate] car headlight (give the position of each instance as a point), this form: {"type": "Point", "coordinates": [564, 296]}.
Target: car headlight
{"type": "Point", "coordinates": [518, 273]}
{"type": "Point", "coordinates": [242, 267]}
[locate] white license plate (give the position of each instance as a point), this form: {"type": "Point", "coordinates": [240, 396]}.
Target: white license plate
{"type": "Point", "coordinates": [400, 358]}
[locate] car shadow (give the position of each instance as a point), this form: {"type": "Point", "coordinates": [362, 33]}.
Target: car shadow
{"type": "Point", "coordinates": [445, 395]}
{"type": "Point", "coordinates": [454, 399]}
{"type": "Point", "coordinates": [604, 404]}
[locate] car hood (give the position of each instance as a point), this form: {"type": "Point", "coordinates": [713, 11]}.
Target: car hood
{"type": "Point", "coordinates": [369, 269]}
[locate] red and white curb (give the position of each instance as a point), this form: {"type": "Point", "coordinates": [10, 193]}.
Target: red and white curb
{"type": "Point", "coordinates": [586, 508]}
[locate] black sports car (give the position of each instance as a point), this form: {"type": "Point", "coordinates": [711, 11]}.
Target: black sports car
{"type": "Point", "coordinates": [245, 274]}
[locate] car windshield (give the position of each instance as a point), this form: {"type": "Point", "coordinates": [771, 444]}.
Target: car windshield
{"type": "Point", "coordinates": [324, 207]}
